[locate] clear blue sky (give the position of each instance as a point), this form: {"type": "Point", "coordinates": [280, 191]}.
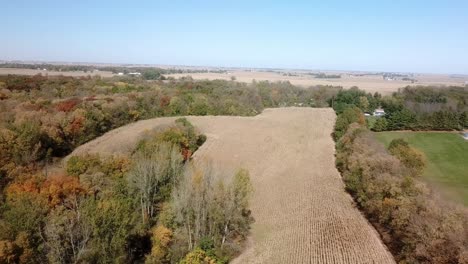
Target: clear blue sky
{"type": "Point", "coordinates": [411, 35]}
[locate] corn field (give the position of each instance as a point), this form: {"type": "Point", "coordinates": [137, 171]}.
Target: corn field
{"type": "Point", "coordinates": [301, 209]}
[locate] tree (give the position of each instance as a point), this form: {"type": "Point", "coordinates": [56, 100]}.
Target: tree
{"type": "Point", "coordinates": [67, 235]}
{"type": "Point", "coordinates": [28, 145]}
{"type": "Point", "coordinates": [112, 221]}
{"type": "Point", "coordinates": [161, 237]}
{"type": "Point", "coordinates": [208, 204]}
{"type": "Point", "coordinates": [463, 119]}
{"type": "Point", "coordinates": [364, 103]}
{"type": "Point", "coordinates": [153, 175]}
{"type": "Point", "coordinates": [9, 252]}
{"type": "Point", "coordinates": [151, 74]}
{"type": "Point", "coordinates": [349, 116]}
{"type": "Point", "coordinates": [380, 124]}
{"type": "Point", "coordinates": [402, 119]}
{"type": "Point", "coordinates": [411, 158]}
{"type": "Point", "coordinates": [198, 256]}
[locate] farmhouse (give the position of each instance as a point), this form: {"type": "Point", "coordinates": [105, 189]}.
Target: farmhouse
{"type": "Point", "coordinates": [379, 112]}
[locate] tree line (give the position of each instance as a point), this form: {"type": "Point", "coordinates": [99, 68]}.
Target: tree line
{"type": "Point", "coordinates": [413, 221]}
{"type": "Point", "coordinates": [148, 73]}
{"type": "Point", "coordinates": [411, 108]}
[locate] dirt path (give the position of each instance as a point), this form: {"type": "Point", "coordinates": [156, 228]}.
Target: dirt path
{"type": "Point", "coordinates": [302, 212]}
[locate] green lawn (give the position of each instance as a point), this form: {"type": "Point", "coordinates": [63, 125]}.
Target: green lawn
{"type": "Point", "coordinates": [447, 159]}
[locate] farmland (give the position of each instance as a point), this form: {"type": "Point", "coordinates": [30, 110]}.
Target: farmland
{"type": "Point", "coordinates": [446, 154]}
{"type": "Point", "coordinates": [18, 71]}
{"type": "Point", "coordinates": [237, 137]}
{"type": "Point", "coordinates": [370, 82]}
{"type": "Point", "coordinates": [302, 212]}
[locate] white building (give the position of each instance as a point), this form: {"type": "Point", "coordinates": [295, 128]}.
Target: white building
{"type": "Point", "coordinates": [378, 112]}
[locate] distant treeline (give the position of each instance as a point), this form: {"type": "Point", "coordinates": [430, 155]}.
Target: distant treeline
{"type": "Point", "coordinates": [148, 73]}
{"type": "Point", "coordinates": [325, 76]}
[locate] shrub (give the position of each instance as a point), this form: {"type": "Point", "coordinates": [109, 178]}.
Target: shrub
{"type": "Point", "coordinates": [77, 165]}
{"type": "Point", "coordinates": [380, 125]}
{"type": "Point", "coordinates": [349, 116]}
{"type": "Point", "coordinates": [67, 105]}
{"type": "Point", "coordinates": [411, 158]}
{"type": "Point", "coordinates": [198, 256]}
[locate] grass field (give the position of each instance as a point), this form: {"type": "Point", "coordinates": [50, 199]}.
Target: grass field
{"type": "Point", "coordinates": [447, 159]}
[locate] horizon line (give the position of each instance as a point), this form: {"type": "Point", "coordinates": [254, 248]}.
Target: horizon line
{"type": "Point", "coordinates": [154, 65]}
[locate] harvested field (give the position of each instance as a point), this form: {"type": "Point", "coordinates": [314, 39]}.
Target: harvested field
{"type": "Point", "coordinates": [369, 83]}
{"type": "Point", "coordinates": [302, 212]}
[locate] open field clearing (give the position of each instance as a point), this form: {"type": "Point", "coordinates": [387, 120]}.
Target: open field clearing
{"type": "Point", "coordinates": [5, 71]}
{"type": "Point", "coordinates": [302, 212]}
{"type": "Point", "coordinates": [447, 156]}
{"type": "Point", "coordinates": [370, 83]}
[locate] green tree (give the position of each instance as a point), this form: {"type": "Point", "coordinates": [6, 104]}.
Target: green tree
{"type": "Point", "coordinates": [343, 120]}
{"type": "Point", "coordinates": [380, 124]}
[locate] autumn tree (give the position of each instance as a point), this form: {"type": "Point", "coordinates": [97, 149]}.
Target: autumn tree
{"type": "Point", "coordinates": [343, 120]}
{"type": "Point", "coordinates": [411, 157]}
{"type": "Point", "coordinates": [208, 203]}
{"type": "Point", "coordinates": [161, 238]}
{"type": "Point", "coordinates": [153, 175]}
{"type": "Point", "coordinates": [67, 234]}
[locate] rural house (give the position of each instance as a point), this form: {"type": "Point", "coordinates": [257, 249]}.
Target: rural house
{"type": "Point", "coordinates": [379, 112]}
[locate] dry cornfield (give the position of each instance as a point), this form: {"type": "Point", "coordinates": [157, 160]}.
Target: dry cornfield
{"type": "Point", "coordinates": [302, 212]}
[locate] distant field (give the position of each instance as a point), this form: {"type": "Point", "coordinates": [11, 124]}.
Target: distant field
{"type": "Point", "coordinates": [447, 158]}
{"type": "Point", "coordinates": [370, 83]}
{"type": "Point", "coordinates": [5, 71]}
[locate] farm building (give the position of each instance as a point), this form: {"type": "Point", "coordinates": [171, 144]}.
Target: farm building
{"type": "Point", "coordinates": [379, 112]}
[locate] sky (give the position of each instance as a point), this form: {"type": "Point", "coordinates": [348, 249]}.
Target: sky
{"type": "Point", "coordinates": [399, 36]}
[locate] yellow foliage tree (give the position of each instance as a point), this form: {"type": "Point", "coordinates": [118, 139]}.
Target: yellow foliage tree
{"type": "Point", "coordinates": [161, 237]}
{"type": "Point", "coordinates": [198, 256]}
